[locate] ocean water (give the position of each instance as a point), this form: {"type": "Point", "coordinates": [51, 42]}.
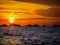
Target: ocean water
{"type": "Point", "coordinates": [15, 35]}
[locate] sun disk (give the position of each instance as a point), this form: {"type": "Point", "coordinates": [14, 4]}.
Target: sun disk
{"type": "Point", "coordinates": [11, 20]}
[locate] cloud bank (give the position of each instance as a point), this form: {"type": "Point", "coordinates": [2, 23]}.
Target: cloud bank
{"type": "Point", "coordinates": [45, 2]}
{"type": "Point", "coordinates": [52, 12]}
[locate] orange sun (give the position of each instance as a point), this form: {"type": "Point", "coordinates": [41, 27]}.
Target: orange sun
{"type": "Point", "coordinates": [11, 20]}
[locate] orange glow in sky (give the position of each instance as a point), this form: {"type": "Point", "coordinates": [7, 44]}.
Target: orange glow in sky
{"type": "Point", "coordinates": [16, 12]}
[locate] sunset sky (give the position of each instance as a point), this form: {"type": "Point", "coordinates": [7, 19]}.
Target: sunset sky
{"type": "Point", "coordinates": [24, 12]}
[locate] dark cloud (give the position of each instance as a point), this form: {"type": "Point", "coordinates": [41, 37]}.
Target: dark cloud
{"type": "Point", "coordinates": [46, 2]}
{"type": "Point", "coordinates": [2, 8]}
{"type": "Point", "coordinates": [52, 12]}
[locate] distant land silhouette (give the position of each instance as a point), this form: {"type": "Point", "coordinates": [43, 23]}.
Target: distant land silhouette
{"type": "Point", "coordinates": [30, 25]}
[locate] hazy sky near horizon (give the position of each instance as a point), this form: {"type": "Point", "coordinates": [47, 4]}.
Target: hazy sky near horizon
{"type": "Point", "coordinates": [30, 12]}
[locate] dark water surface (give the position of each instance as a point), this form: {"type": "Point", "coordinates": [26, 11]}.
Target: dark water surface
{"type": "Point", "coordinates": [15, 35]}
